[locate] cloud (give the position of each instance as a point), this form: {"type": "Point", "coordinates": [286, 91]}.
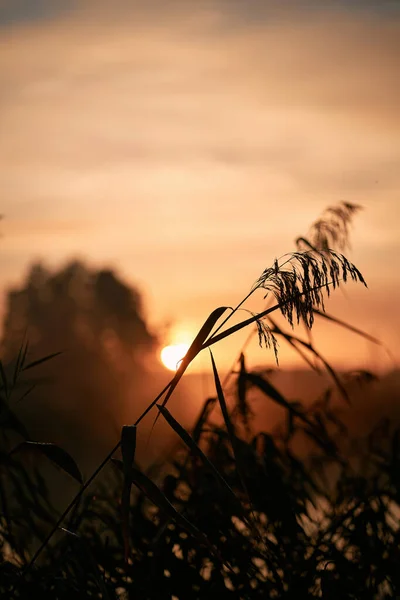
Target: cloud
{"type": "Point", "coordinates": [211, 128]}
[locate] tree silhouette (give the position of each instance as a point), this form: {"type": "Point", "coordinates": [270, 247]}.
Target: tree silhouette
{"type": "Point", "coordinates": [97, 322]}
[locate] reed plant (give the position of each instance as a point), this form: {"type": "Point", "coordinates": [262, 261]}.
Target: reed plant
{"type": "Point", "coordinates": [233, 512]}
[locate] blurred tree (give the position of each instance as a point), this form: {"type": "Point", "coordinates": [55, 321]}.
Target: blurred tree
{"type": "Point", "coordinates": [97, 322]}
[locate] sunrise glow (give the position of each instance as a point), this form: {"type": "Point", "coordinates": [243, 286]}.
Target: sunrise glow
{"type": "Point", "coordinates": [173, 354]}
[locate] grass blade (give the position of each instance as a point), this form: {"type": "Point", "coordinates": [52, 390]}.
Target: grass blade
{"type": "Point", "coordinates": [4, 379]}
{"type": "Point", "coordinates": [55, 454]}
{"type": "Point", "coordinates": [232, 438]}
{"type": "Point", "coordinates": [269, 390]}
{"type": "Point", "coordinates": [128, 448]}
{"type": "Point", "coordinates": [26, 393]}
{"type": "Point", "coordinates": [18, 364]}
{"type": "Point", "coordinates": [161, 501]}
{"type": "Point", "coordinates": [35, 363]}
{"type": "Point", "coordinates": [203, 417]}
{"type": "Point", "coordinates": [222, 403]}
{"type": "Point", "coordinates": [242, 391]}
{"type": "Point", "coordinates": [87, 557]}
{"type": "Point", "coordinates": [191, 444]}
{"type": "Point", "coordinates": [363, 334]}
{"type": "Point", "coordinates": [293, 340]}
{"type": "Point", "coordinates": [195, 348]}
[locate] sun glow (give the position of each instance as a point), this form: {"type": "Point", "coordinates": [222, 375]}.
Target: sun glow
{"type": "Point", "coordinates": [172, 355]}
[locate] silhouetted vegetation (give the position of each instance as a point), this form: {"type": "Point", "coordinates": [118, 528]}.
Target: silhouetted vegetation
{"type": "Point", "coordinates": [306, 511]}
{"type": "Point", "coordinates": [97, 322]}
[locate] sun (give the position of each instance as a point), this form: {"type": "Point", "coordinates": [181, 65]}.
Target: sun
{"type": "Point", "coordinates": [172, 355]}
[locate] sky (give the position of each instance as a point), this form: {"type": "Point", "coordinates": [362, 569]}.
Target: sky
{"type": "Point", "coordinates": [187, 144]}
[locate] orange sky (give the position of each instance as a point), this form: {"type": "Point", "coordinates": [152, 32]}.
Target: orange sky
{"type": "Point", "coordinates": [188, 146]}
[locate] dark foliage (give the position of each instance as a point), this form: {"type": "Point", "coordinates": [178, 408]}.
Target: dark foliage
{"type": "Point", "coordinates": [234, 512]}
{"type": "Point", "coordinates": [255, 520]}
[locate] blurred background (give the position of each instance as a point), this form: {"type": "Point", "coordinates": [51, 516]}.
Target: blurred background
{"type": "Point", "coordinates": [156, 156]}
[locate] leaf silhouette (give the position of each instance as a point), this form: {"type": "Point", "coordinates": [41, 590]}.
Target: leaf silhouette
{"type": "Point", "coordinates": [239, 462]}
{"type": "Point", "coordinates": [128, 446]}
{"type": "Point", "coordinates": [55, 454]}
{"type": "Point", "coordinates": [195, 348]}
{"type": "Point", "coordinates": [242, 389]}
{"type": "Point", "coordinates": [363, 334]}
{"type": "Point", "coordinates": [269, 390]}
{"type": "Point", "coordinates": [222, 403]}
{"type": "Point", "coordinates": [294, 340]}
{"type": "Point", "coordinates": [38, 362]}
{"type": "Point", "coordinates": [191, 444]}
